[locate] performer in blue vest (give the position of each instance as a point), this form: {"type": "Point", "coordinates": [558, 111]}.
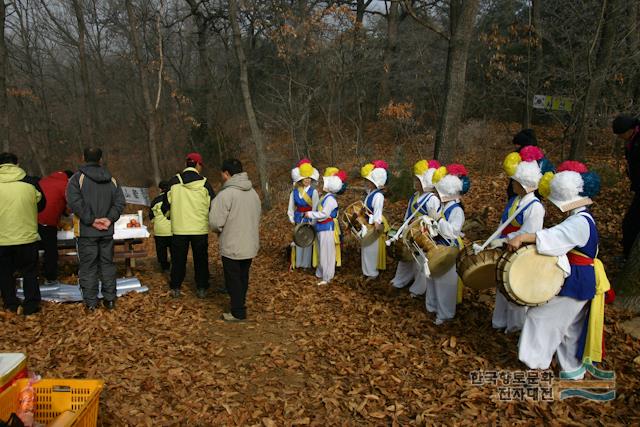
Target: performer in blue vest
{"type": "Point", "coordinates": [422, 202]}
{"type": "Point", "coordinates": [303, 198]}
{"type": "Point", "coordinates": [571, 324]}
{"type": "Point", "coordinates": [374, 255]}
{"type": "Point", "coordinates": [452, 183]}
{"type": "Point", "coordinates": [523, 168]}
{"type": "Point", "coordinates": [327, 226]}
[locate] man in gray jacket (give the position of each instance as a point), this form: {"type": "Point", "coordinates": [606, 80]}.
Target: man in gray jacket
{"type": "Point", "coordinates": [235, 215]}
{"type": "Point", "coordinates": [96, 201]}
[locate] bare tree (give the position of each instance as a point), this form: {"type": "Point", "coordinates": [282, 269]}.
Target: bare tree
{"type": "Point", "coordinates": [4, 107]}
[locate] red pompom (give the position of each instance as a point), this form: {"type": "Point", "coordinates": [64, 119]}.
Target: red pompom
{"type": "Point", "coordinates": [609, 296]}
{"type": "Point", "coordinates": [456, 169]}
{"type": "Point", "coordinates": [380, 164]}
{"type": "Point", "coordinates": [572, 165]}
{"type": "Point", "coordinates": [303, 161]}
{"type": "Point", "coordinates": [342, 175]}
{"type": "Point", "coordinates": [531, 153]}
{"type": "Point", "coordinates": [434, 164]}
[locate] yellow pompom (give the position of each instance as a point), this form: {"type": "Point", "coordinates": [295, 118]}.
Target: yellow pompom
{"type": "Point", "coordinates": [331, 171]}
{"type": "Point", "coordinates": [439, 174]}
{"type": "Point", "coordinates": [511, 163]}
{"type": "Point", "coordinates": [421, 167]}
{"type": "Point", "coordinates": [544, 186]}
{"type": "Point", "coordinates": [306, 170]}
{"type": "Point", "coordinates": [366, 170]}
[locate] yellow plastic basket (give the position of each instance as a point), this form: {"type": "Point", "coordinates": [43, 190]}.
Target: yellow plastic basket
{"type": "Point", "coordinates": [54, 396]}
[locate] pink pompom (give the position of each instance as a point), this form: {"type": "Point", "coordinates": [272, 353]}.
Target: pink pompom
{"type": "Point", "coordinates": [380, 164]}
{"type": "Point", "coordinates": [531, 153]}
{"type": "Point", "coordinates": [434, 164]}
{"type": "Point", "coordinates": [456, 169]}
{"type": "Point", "coordinates": [572, 165]}
{"type": "Point", "coordinates": [342, 175]}
{"type": "Point", "coordinates": [303, 161]}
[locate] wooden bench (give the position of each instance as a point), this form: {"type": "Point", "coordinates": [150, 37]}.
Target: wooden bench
{"type": "Point", "coordinates": [128, 254]}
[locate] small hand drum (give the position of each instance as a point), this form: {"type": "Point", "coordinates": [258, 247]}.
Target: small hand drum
{"type": "Point", "coordinates": [527, 278]}
{"type": "Point", "coordinates": [440, 258]}
{"type": "Point", "coordinates": [478, 271]}
{"type": "Point", "coordinates": [354, 217]}
{"type": "Point", "coordinates": [304, 234]}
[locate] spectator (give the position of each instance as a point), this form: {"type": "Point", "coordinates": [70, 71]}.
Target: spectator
{"type": "Point", "coordinates": [235, 215]}
{"type": "Point", "coordinates": [627, 128]}
{"type": "Point", "coordinates": [161, 228]}
{"type": "Point", "coordinates": [54, 187]}
{"type": "Point", "coordinates": [189, 200]}
{"type": "Point", "coordinates": [96, 201]}
{"type": "Point", "coordinates": [22, 199]}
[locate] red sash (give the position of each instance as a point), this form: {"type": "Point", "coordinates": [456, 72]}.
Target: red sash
{"type": "Point", "coordinates": [303, 208]}
{"type": "Point", "coordinates": [510, 229]}
{"type": "Point", "coordinates": [579, 259]}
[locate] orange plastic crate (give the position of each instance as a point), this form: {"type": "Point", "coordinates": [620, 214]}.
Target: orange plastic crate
{"type": "Point", "coordinates": [54, 396]}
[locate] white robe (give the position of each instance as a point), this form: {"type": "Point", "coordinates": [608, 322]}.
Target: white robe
{"type": "Point", "coordinates": [555, 327]}
{"type": "Point", "coordinates": [369, 254]}
{"type": "Point", "coordinates": [326, 243]}
{"type": "Point", "coordinates": [442, 291]}
{"type": "Point", "coordinates": [507, 315]}
{"type": "Point", "coordinates": [304, 256]}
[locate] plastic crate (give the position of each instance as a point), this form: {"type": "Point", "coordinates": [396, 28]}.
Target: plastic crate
{"type": "Point", "coordinates": [54, 396]}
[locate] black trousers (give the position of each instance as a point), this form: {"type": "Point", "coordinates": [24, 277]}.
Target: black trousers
{"type": "Point", "coordinates": [163, 246]}
{"type": "Point", "coordinates": [200, 251]}
{"type": "Point", "coordinates": [22, 258]}
{"type": "Point", "coordinates": [49, 243]}
{"type": "Point", "coordinates": [96, 260]}
{"type": "Point", "coordinates": [236, 280]}
{"type": "Point", "coordinates": [631, 225]}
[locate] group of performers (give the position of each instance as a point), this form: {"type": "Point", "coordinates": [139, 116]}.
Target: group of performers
{"type": "Point", "coordinates": [569, 325]}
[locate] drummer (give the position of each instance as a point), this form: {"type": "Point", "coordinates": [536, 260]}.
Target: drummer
{"type": "Point", "coordinates": [524, 170]}
{"type": "Point", "coordinates": [374, 255]}
{"type": "Point", "coordinates": [422, 202]}
{"type": "Point", "coordinates": [569, 325]}
{"type": "Point", "coordinates": [303, 198]}
{"type": "Point", "coordinates": [451, 183]}
{"type": "Point", "coordinates": [327, 228]}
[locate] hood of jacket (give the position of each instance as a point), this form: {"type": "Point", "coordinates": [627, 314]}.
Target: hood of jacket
{"type": "Point", "coordinates": [96, 172]}
{"type": "Point", "coordinates": [11, 173]}
{"type": "Point", "coordinates": [240, 181]}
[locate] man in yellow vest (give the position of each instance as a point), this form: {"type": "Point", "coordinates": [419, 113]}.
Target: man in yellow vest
{"type": "Point", "coordinates": [21, 200]}
{"type": "Point", "coordinates": [161, 228]}
{"type": "Point", "coordinates": [188, 200]}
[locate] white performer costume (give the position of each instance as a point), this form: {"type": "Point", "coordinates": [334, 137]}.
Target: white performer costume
{"type": "Point", "coordinates": [301, 200]}
{"type": "Point", "coordinates": [374, 201]}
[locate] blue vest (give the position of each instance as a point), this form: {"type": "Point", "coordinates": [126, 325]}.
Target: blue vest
{"type": "Point", "coordinates": [368, 201]}
{"type": "Point", "coordinates": [519, 218]}
{"type": "Point", "coordinates": [581, 283]}
{"type": "Point", "coordinates": [415, 203]}
{"type": "Point", "coordinates": [327, 225]}
{"type": "Point", "coordinates": [446, 214]}
{"type": "Point", "coordinates": [299, 202]}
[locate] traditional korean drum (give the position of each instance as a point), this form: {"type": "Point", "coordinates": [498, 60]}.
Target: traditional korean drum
{"type": "Point", "coordinates": [440, 258]}
{"type": "Point", "coordinates": [527, 278]}
{"type": "Point", "coordinates": [399, 250]}
{"type": "Point", "coordinates": [304, 234]}
{"type": "Point", "coordinates": [478, 271]}
{"type": "Point", "coordinates": [354, 217]}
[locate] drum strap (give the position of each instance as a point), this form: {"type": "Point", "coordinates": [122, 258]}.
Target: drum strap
{"type": "Point", "coordinates": [305, 196]}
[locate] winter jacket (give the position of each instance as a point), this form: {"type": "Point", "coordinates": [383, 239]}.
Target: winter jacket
{"type": "Point", "coordinates": [188, 201]}
{"type": "Point", "coordinates": [93, 193]}
{"type": "Point", "coordinates": [54, 188]}
{"type": "Point", "coordinates": [161, 224]}
{"type": "Point", "coordinates": [235, 214]}
{"type": "Point", "coordinates": [21, 200]}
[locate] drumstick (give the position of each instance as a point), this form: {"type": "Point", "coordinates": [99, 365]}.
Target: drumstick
{"type": "Point", "coordinates": [502, 227]}
{"type": "Point", "coordinates": [404, 224]}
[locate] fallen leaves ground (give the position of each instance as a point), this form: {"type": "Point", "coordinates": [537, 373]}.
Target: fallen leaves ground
{"type": "Point", "coordinates": [345, 354]}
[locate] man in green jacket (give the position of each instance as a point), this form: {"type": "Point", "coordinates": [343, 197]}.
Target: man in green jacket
{"type": "Point", "coordinates": [235, 216]}
{"type": "Point", "coordinates": [188, 201]}
{"type": "Point", "coordinates": [21, 199]}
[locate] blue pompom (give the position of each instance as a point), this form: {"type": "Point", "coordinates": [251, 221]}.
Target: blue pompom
{"type": "Point", "coordinates": [546, 166]}
{"type": "Point", "coordinates": [466, 184]}
{"type": "Point", "coordinates": [591, 184]}
{"type": "Point", "coordinates": [342, 190]}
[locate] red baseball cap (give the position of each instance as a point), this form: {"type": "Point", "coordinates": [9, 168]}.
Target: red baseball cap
{"type": "Point", "coordinates": [195, 157]}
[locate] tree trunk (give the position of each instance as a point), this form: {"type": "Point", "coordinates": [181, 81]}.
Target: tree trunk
{"type": "Point", "coordinates": [597, 76]}
{"type": "Point", "coordinates": [633, 44]}
{"type": "Point", "coordinates": [4, 107]}
{"type": "Point", "coordinates": [88, 103]}
{"type": "Point", "coordinates": [462, 15]}
{"type": "Point", "coordinates": [256, 133]}
{"type": "Point", "coordinates": [393, 24]}
{"type": "Point", "coordinates": [628, 281]}
{"type": "Point", "coordinates": [150, 112]}
{"type": "Point", "coordinates": [534, 74]}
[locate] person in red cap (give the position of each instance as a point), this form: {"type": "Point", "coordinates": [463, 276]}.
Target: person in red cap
{"type": "Point", "coordinates": [54, 187]}
{"type": "Point", "coordinates": [187, 203]}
